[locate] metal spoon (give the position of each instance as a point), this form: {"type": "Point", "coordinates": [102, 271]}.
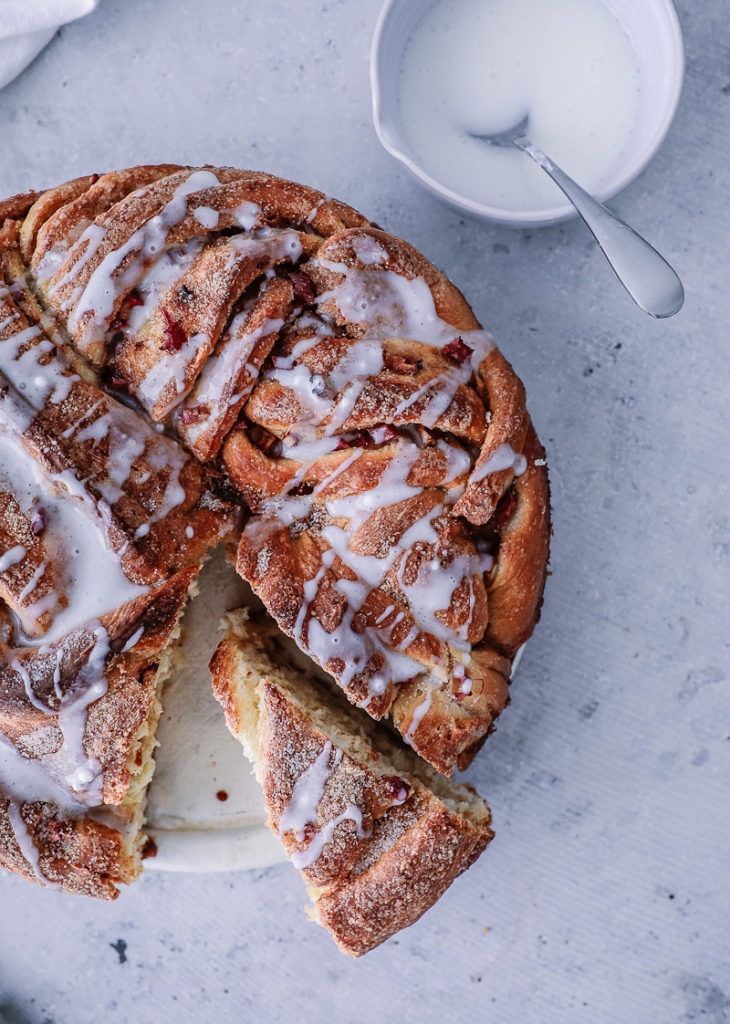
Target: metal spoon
{"type": "Point", "coordinates": [644, 273]}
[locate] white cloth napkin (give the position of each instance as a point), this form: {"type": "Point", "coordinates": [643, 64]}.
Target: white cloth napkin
{"type": "Point", "coordinates": [26, 26]}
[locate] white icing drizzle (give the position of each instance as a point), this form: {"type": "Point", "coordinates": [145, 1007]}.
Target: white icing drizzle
{"type": "Point", "coordinates": [302, 808]}
{"type": "Point", "coordinates": [247, 215]}
{"type": "Point", "coordinates": [503, 458]}
{"type": "Point", "coordinates": [418, 712]}
{"type": "Point", "coordinates": [133, 640]}
{"type": "Point", "coordinates": [369, 250]}
{"type": "Point", "coordinates": [384, 615]}
{"type": "Point", "coordinates": [465, 680]}
{"type": "Point", "coordinates": [8, 319]}
{"type": "Point", "coordinates": [315, 209]}
{"type": "Point", "coordinates": [206, 216]}
{"type": "Point", "coordinates": [57, 673]}
{"type": "Point", "coordinates": [273, 244]}
{"type": "Point", "coordinates": [25, 842]}
{"type": "Point", "coordinates": [18, 667]}
{"type": "Point", "coordinates": [146, 243]}
{"type": "Point", "coordinates": [302, 859]}
{"type": "Point", "coordinates": [33, 582]}
{"type": "Point", "coordinates": [11, 557]}
{"type": "Point", "coordinates": [68, 776]}
{"type": "Point", "coordinates": [85, 569]}
{"type": "Point", "coordinates": [391, 306]}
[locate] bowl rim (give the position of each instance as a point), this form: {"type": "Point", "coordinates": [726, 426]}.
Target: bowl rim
{"type": "Point", "coordinates": [525, 218]}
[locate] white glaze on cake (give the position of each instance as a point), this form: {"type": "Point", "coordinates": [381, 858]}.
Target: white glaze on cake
{"type": "Point", "coordinates": [99, 295]}
{"type": "Point", "coordinates": [390, 306]}
{"type": "Point", "coordinates": [302, 809]}
{"type": "Point", "coordinates": [89, 575]}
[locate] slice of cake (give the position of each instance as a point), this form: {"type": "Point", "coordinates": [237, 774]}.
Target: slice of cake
{"type": "Point", "coordinates": [376, 833]}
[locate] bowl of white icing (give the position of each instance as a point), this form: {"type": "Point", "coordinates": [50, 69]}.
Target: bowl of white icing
{"type": "Point", "coordinates": [599, 80]}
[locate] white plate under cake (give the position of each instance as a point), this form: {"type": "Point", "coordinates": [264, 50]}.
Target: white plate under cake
{"type": "Point", "coordinates": [192, 357]}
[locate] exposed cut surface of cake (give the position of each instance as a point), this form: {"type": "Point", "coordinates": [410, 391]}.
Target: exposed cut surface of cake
{"type": "Point", "coordinates": [376, 833]}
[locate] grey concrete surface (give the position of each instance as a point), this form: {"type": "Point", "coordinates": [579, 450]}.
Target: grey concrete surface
{"type": "Point", "coordinates": [605, 896]}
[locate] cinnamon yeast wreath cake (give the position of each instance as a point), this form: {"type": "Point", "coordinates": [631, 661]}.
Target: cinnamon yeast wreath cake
{"type": "Point", "coordinates": [195, 356]}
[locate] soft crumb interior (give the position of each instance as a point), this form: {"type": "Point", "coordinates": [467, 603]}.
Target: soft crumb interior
{"type": "Point", "coordinates": [249, 667]}
{"type": "Point", "coordinates": [141, 763]}
{"type": "Point", "coordinates": [266, 652]}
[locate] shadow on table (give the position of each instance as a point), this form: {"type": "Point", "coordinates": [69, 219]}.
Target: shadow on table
{"type": "Point", "coordinates": [11, 1012]}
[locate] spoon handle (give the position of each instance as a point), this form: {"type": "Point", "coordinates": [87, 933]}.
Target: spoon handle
{"type": "Point", "coordinates": [644, 273]}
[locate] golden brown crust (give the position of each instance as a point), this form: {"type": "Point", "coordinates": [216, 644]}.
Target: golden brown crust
{"type": "Point", "coordinates": [17, 206]}
{"type": "Point", "coordinates": [504, 396]}
{"type": "Point", "coordinates": [62, 213]}
{"type": "Point", "coordinates": [451, 730]}
{"type": "Point", "coordinates": [411, 873]}
{"type": "Point", "coordinates": [80, 857]}
{"type": "Point", "coordinates": [44, 207]}
{"type": "Point", "coordinates": [224, 667]}
{"type": "Point", "coordinates": [517, 581]}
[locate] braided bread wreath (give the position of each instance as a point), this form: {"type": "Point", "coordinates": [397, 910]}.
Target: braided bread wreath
{"type": "Point", "coordinates": [196, 356]}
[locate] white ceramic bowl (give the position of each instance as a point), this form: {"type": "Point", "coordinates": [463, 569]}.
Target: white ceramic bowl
{"type": "Point", "coordinates": [654, 30]}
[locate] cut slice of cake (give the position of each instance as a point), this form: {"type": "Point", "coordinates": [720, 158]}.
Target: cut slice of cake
{"type": "Point", "coordinates": [376, 833]}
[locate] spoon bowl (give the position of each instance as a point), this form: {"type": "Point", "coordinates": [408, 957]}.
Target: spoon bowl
{"type": "Point", "coordinates": [507, 137]}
